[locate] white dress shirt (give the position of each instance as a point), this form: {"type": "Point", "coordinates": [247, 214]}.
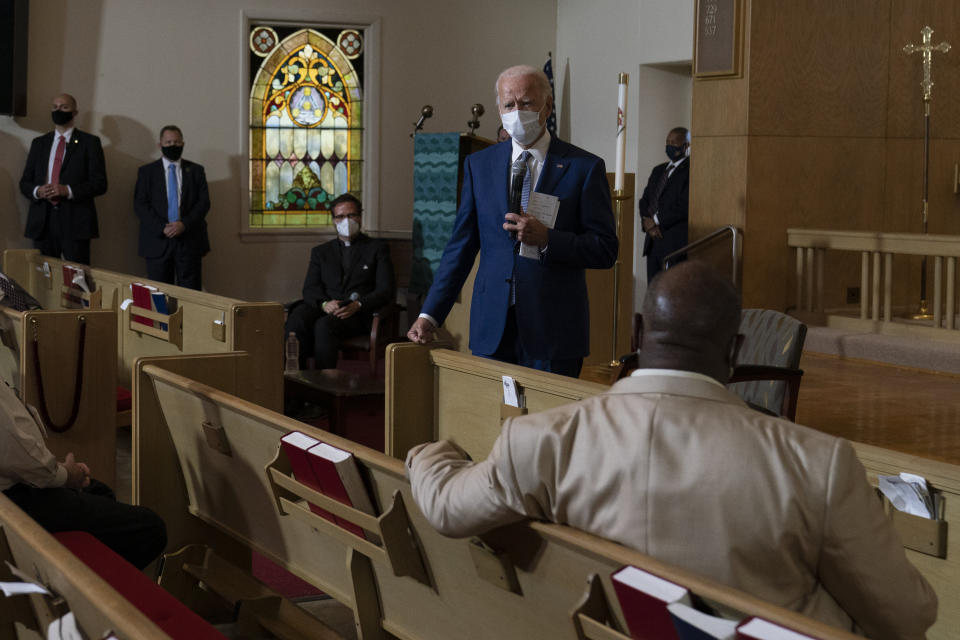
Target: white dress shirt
{"type": "Point", "coordinates": [53, 155]}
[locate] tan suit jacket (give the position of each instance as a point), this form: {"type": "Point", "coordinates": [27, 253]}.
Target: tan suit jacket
{"type": "Point", "coordinates": [682, 470]}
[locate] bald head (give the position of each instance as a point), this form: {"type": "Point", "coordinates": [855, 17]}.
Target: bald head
{"type": "Point", "coordinates": [64, 111]}
{"type": "Point", "coordinates": [691, 315]}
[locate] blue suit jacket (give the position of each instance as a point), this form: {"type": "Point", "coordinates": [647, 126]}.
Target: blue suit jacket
{"type": "Point", "coordinates": [551, 307]}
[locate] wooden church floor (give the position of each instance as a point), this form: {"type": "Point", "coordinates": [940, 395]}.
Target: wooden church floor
{"type": "Point", "coordinates": [909, 410]}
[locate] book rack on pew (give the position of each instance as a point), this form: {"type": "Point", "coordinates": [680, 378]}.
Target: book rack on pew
{"type": "Point", "coordinates": [166, 327]}
{"type": "Point", "coordinates": [73, 299]}
{"type": "Point", "coordinates": [393, 527]}
{"type": "Point", "coordinates": [521, 581]}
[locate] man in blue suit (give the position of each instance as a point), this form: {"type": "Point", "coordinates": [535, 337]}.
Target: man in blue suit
{"type": "Point", "coordinates": [529, 311]}
{"type": "Point", "coordinates": [172, 200]}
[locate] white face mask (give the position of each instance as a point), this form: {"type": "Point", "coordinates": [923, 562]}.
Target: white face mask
{"type": "Point", "coordinates": [348, 227]}
{"type": "Point", "coordinates": [523, 126]}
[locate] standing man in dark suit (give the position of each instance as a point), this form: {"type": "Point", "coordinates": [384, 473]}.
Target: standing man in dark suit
{"type": "Point", "coordinates": [663, 207]}
{"type": "Point", "coordinates": [65, 171]}
{"type": "Point", "coordinates": [172, 201]}
{"type": "Point", "coordinates": [529, 311]}
{"type": "Point", "coordinates": [349, 278]}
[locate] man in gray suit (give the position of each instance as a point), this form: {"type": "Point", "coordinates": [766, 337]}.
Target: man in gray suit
{"type": "Point", "coordinates": [670, 463]}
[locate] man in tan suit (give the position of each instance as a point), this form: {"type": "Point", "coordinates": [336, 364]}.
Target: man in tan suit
{"type": "Point", "coordinates": [670, 463]}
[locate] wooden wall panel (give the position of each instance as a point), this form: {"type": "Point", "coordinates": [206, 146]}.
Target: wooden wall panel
{"type": "Point", "coordinates": [819, 68]}
{"type": "Point", "coordinates": [818, 183]}
{"type": "Point", "coordinates": [905, 96]}
{"type": "Point", "coordinates": [717, 184]}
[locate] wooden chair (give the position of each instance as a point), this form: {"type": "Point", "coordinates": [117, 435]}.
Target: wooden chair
{"type": "Point", "coordinates": [383, 331]}
{"type": "Point", "coordinates": [766, 375]}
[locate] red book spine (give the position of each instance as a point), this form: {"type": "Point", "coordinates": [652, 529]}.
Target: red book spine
{"type": "Point", "coordinates": [333, 487]}
{"type": "Point", "coordinates": [143, 299]}
{"type": "Point", "coordinates": [646, 615]}
{"type": "Point", "coordinates": [295, 444]}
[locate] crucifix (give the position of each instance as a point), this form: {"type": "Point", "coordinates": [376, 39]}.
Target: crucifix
{"type": "Point", "coordinates": [927, 49]}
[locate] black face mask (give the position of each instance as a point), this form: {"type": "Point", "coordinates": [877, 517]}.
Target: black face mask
{"type": "Point", "coordinates": [61, 118]}
{"type": "Point", "coordinates": [172, 153]}
{"type": "Point", "coordinates": [674, 152]}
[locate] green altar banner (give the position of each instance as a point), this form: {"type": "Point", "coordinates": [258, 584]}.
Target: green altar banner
{"type": "Point", "coordinates": [436, 163]}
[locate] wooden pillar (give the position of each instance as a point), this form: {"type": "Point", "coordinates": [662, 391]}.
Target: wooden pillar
{"type": "Point", "coordinates": [937, 302]}
{"type": "Point", "coordinates": [875, 290]}
{"type": "Point", "coordinates": [887, 287]}
{"type": "Point", "coordinates": [864, 282]}
{"type": "Point", "coordinates": [951, 283]}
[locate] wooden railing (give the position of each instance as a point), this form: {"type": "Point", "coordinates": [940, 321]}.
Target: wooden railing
{"type": "Point", "coordinates": [876, 248]}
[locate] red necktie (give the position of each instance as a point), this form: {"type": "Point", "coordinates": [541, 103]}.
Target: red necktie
{"type": "Point", "coordinates": [57, 163]}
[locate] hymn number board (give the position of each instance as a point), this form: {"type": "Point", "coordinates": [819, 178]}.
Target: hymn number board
{"type": "Point", "coordinates": [717, 39]}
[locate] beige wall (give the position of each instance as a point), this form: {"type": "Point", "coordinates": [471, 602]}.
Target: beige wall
{"type": "Point", "coordinates": [595, 42]}
{"type": "Point", "coordinates": [136, 65]}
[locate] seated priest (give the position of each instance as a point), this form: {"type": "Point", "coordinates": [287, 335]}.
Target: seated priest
{"type": "Point", "coordinates": [61, 496]}
{"type": "Point", "coordinates": [672, 464]}
{"type": "Point", "coordinates": [348, 279]}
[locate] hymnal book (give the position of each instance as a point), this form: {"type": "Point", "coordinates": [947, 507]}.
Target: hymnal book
{"type": "Point", "coordinates": [143, 298]}
{"type": "Point", "coordinates": [74, 278]}
{"type": "Point", "coordinates": [760, 629]}
{"type": "Point", "coordinates": [697, 625]}
{"type": "Point", "coordinates": [159, 299]}
{"type": "Point", "coordinates": [643, 599]}
{"type": "Point", "coordinates": [338, 474]}
{"type": "Point", "coordinates": [295, 445]}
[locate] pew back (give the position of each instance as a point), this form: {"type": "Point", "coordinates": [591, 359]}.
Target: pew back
{"type": "Point", "coordinates": [443, 394]}
{"type": "Point", "coordinates": [97, 606]}
{"type": "Point", "coordinates": [42, 352]}
{"type": "Point", "coordinates": [943, 573]}
{"type": "Point", "coordinates": [209, 323]}
{"type": "Point", "coordinates": [418, 584]}
{"type": "Point", "coordinates": [450, 395]}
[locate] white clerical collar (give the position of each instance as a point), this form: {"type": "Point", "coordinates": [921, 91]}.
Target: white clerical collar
{"type": "Point", "coordinates": [676, 373]}
{"type": "Point", "coordinates": [538, 150]}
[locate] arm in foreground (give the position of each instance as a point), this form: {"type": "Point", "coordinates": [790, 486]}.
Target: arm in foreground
{"type": "Point", "coordinates": [458, 497]}
{"type": "Point", "coordinates": [863, 564]}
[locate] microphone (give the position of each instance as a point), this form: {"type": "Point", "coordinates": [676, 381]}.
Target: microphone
{"type": "Point", "coordinates": [425, 112]}
{"type": "Point", "coordinates": [517, 170]}
{"type": "Point", "coordinates": [476, 111]}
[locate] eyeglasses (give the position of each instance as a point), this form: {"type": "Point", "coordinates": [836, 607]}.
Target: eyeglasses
{"type": "Point", "coordinates": [354, 216]}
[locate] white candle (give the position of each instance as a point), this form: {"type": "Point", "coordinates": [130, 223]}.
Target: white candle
{"type": "Point", "coordinates": [621, 129]}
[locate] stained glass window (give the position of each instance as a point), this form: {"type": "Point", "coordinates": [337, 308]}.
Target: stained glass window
{"type": "Point", "coordinates": [306, 123]}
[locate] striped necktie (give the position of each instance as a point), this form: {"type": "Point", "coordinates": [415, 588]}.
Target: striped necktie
{"type": "Point", "coordinates": [525, 190]}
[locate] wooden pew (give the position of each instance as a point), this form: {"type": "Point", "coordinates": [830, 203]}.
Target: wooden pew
{"type": "Point", "coordinates": [452, 395]}
{"type": "Point", "coordinates": [439, 393]}
{"type": "Point", "coordinates": [54, 336]}
{"type": "Point", "coordinates": [931, 546]}
{"type": "Point", "coordinates": [417, 584]}
{"type": "Point", "coordinates": [97, 606]}
{"type": "Point", "coordinates": [210, 323]}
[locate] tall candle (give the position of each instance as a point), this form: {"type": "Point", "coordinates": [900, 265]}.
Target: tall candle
{"type": "Point", "coordinates": [622, 81]}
